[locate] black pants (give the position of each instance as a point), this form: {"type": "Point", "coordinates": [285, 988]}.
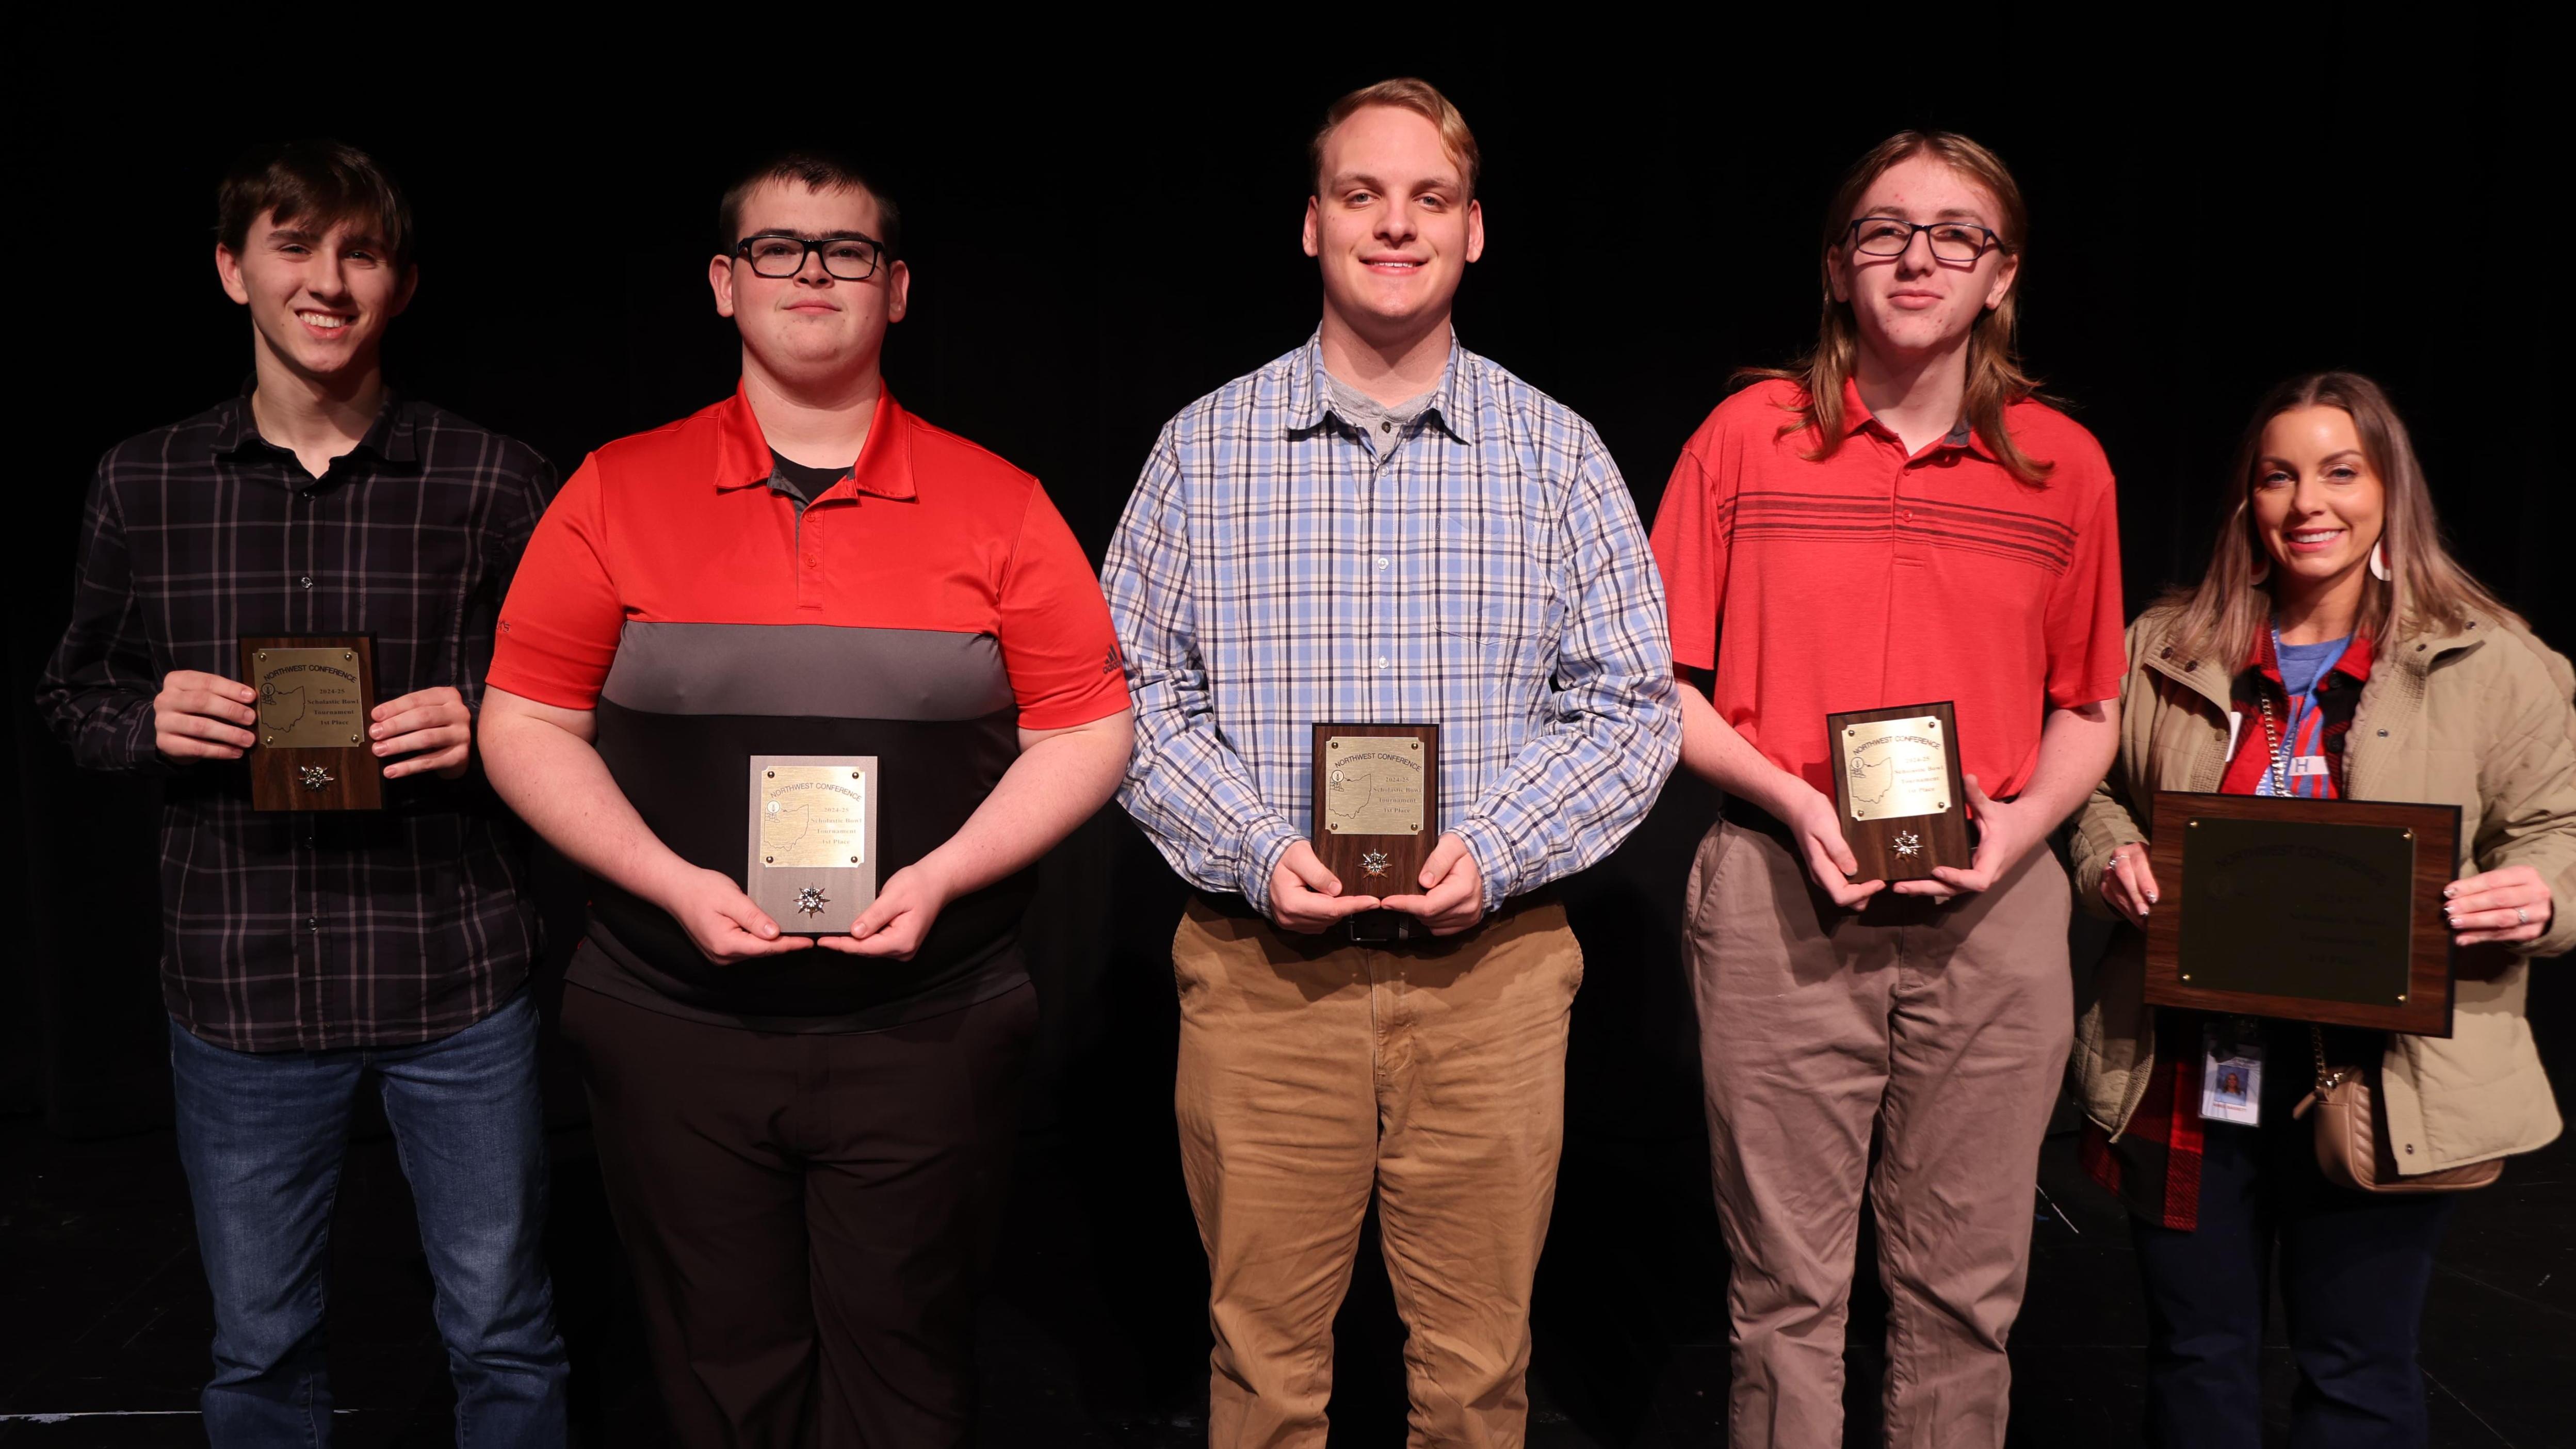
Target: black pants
{"type": "Point", "coordinates": [808, 1216]}
{"type": "Point", "coordinates": [2354, 1267]}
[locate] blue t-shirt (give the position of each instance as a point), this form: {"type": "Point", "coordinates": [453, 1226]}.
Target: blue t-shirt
{"type": "Point", "coordinates": [2303, 668]}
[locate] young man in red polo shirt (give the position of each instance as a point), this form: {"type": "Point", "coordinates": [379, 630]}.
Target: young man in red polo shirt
{"type": "Point", "coordinates": [805, 1139]}
{"type": "Point", "coordinates": [1897, 522]}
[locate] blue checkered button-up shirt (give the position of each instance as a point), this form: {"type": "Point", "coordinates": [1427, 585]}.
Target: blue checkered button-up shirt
{"type": "Point", "coordinates": [1480, 568]}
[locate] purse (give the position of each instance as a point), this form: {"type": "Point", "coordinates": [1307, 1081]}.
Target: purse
{"type": "Point", "coordinates": [2352, 1143]}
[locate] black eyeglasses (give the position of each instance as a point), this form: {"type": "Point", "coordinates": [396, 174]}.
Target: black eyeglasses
{"type": "Point", "coordinates": [850, 256]}
{"type": "Point", "coordinates": [1952, 241]}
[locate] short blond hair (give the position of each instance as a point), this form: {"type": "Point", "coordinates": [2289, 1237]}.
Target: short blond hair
{"type": "Point", "coordinates": [1404, 93]}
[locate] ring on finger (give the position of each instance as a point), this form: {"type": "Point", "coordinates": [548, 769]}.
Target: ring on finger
{"type": "Point", "coordinates": [2521, 917]}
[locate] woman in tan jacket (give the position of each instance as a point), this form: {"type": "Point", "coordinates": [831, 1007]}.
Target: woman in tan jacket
{"type": "Point", "coordinates": [2334, 650]}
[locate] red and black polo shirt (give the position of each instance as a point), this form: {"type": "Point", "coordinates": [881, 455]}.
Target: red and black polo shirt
{"type": "Point", "coordinates": [923, 609]}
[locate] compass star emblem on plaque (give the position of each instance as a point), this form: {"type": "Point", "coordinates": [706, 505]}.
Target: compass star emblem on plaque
{"type": "Point", "coordinates": [1908, 843]}
{"type": "Point", "coordinates": [811, 900]}
{"type": "Point", "coordinates": [314, 777]}
{"type": "Point", "coordinates": [1374, 862]}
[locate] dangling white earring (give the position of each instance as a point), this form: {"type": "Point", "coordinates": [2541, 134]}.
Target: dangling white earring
{"type": "Point", "coordinates": [2262, 568]}
{"type": "Point", "coordinates": [2379, 560]}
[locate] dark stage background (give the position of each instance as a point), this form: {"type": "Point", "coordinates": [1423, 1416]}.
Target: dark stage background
{"type": "Point", "coordinates": [1097, 237]}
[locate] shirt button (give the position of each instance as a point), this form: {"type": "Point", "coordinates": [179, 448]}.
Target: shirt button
{"type": "Point", "coordinates": [1381, 563]}
{"type": "Point", "coordinates": [813, 562]}
{"type": "Point", "coordinates": [313, 923]}
{"type": "Point", "coordinates": [306, 581]}
{"type": "Point", "coordinates": [1381, 661]}
{"type": "Point", "coordinates": [1386, 427]}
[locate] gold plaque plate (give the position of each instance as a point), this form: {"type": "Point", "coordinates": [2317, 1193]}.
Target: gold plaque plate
{"type": "Point", "coordinates": [813, 815]}
{"type": "Point", "coordinates": [1898, 768]}
{"type": "Point", "coordinates": [811, 847]}
{"type": "Point", "coordinates": [1373, 785]}
{"type": "Point", "coordinates": [309, 699]}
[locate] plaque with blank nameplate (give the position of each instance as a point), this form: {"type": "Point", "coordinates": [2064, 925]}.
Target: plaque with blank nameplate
{"type": "Point", "coordinates": [812, 862]}
{"type": "Point", "coordinates": [2307, 910]}
{"type": "Point", "coordinates": [1377, 812]}
{"type": "Point", "coordinates": [316, 693]}
{"type": "Point", "coordinates": [1897, 790]}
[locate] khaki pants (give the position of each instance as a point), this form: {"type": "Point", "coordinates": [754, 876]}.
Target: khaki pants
{"type": "Point", "coordinates": [1313, 1071]}
{"type": "Point", "coordinates": [1940, 1032]}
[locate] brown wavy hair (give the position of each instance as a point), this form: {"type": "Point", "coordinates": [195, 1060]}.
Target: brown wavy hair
{"type": "Point", "coordinates": [1995, 376]}
{"type": "Point", "coordinates": [2427, 589]}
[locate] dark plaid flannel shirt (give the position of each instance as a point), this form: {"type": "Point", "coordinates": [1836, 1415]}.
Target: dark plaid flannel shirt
{"type": "Point", "coordinates": [309, 931]}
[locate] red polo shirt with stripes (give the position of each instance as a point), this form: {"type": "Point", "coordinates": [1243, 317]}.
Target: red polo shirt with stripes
{"type": "Point", "coordinates": [1875, 577]}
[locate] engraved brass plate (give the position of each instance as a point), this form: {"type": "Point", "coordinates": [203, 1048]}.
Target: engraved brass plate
{"type": "Point", "coordinates": [2301, 908]}
{"type": "Point", "coordinates": [1897, 768]}
{"type": "Point", "coordinates": [813, 815]}
{"type": "Point", "coordinates": [309, 699]}
{"type": "Point", "coordinates": [1374, 785]}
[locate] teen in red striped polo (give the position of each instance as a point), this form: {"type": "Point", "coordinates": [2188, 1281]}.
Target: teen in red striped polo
{"type": "Point", "coordinates": [1897, 522]}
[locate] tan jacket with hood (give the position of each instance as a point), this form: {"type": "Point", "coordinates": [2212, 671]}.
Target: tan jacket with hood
{"type": "Point", "coordinates": [2479, 718]}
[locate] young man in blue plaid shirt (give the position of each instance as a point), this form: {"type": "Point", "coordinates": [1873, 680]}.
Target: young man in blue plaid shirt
{"type": "Point", "coordinates": [1383, 527]}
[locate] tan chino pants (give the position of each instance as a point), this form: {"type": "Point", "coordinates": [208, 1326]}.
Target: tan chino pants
{"type": "Point", "coordinates": [1313, 1072]}
{"type": "Point", "coordinates": [1940, 1032]}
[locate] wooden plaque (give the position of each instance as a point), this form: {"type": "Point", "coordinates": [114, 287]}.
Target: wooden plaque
{"type": "Point", "coordinates": [1377, 805]}
{"type": "Point", "coordinates": [2309, 910]}
{"type": "Point", "coordinates": [812, 858]}
{"type": "Point", "coordinates": [316, 692]}
{"type": "Point", "coordinates": [1897, 790]}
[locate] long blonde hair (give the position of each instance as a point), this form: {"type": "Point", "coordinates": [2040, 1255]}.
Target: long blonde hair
{"type": "Point", "coordinates": [1995, 376]}
{"type": "Point", "coordinates": [2426, 589]}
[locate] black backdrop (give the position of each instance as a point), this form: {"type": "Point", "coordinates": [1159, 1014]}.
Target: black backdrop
{"type": "Point", "coordinates": [1100, 233]}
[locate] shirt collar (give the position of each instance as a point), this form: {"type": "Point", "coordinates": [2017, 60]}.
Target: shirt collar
{"type": "Point", "coordinates": [2353, 664]}
{"type": "Point", "coordinates": [1857, 416]}
{"type": "Point", "coordinates": [391, 438]}
{"type": "Point", "coordinates": [884, 467]}
{"type": "Point", "coordinates": [1452, 400]}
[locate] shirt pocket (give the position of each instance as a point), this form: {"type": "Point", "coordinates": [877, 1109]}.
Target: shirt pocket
{"type": "Point", "coordinates": [1497, 615]}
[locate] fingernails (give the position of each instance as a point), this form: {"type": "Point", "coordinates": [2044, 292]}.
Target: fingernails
{"type": "Point", "coordinates": [2152, 898]}
{"type": "Point", "coordinates": [2451, 890]}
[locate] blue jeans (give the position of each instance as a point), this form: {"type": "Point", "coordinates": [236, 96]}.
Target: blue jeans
{"type": "Point", "coordinates": [2353, 1266]}
{"type": "Point", "coordinates": [262, 1135]}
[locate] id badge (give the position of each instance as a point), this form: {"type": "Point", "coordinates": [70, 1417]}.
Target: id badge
{"type": "Point", "coordinates": [2231, 1073]}
{"type": "Point", "coordinates": [2305, 765]}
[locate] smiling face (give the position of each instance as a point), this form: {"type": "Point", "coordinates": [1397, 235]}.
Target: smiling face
{"type": "Point", "coordinates": [2318, 505]}
{"type": "Point", "coordinates": [1391, 223]}
{"type": "Point", "coordinates": [1916, 304]}
{"type": "Point", "coordinates": [320, 293]}
{"type": "Point", "coordinates": [813, 327]}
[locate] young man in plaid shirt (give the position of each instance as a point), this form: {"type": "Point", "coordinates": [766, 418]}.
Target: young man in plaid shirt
{"type": "Point", "coordinates": [299, 949]}
{"type": "Point", "coordinates": [1383, 527]}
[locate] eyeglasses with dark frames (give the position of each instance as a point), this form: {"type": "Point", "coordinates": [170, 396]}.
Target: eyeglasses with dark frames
{"type": "Point", "coordinates": [1952, 241]}
{"type": "Point", "coordinates": [849, 256]}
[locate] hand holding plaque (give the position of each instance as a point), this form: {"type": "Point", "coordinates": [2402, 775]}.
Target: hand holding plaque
{"type": "Point", "coordinates": [1898, 792]}
{"type": "Point", "coordinates": [812, 862]}
{"type": "Point", "coordinates": [1377, 812]}
{"type": "Point", "coordinates": [2308, 910]}
{"type": "Point", "coordinates": [315, 696]}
